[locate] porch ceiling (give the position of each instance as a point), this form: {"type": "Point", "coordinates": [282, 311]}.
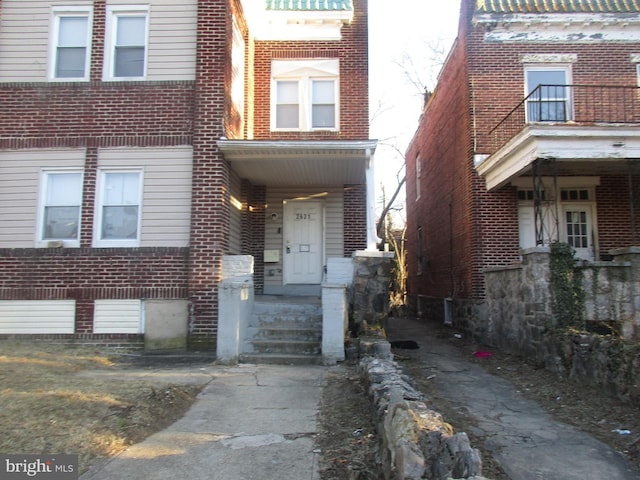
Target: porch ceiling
{"type": "Point", "coordinates": [578, 150]}
{"type": "Point", "coordinates": [300, 163]}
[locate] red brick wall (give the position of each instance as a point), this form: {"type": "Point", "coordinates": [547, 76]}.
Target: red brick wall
{"type": "Point", "coordinates": [210, 196]}
{"type": "Point", "coordinates": [102, 114]}
{"type": "Point", "coordinates": [87, 274]}
{"type": "Point", "coordinates": [355, 218]}
{"type": "Point", "coordinates": [446, 207]}
{"type": "Point", "coordinates": [615, 222]}
{"type": "Point", "coordinates": [465, 228]}
{"type": "Point", "coordinates": [352, 52]}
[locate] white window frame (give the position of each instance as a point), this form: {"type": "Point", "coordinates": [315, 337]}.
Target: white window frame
{"type": "Point", "coordinates": [98, 241]}
{"type": "Point", "coordinates": [56, 14]}
{"type": "Point", "coordinates": [549, 68]}
{"type": "Point", "coordinates": [42, 204]}
{"type": "Point", "coordinates": [305, 72]}
{"type": "Point", "coordinates": [114, 13]}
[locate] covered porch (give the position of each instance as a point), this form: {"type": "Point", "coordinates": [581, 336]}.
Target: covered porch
{"type": "Point", "coordinates": [303, 217]}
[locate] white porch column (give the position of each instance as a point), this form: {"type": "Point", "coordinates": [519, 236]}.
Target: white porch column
{"type": "Point", "coordinates": [372, 235]}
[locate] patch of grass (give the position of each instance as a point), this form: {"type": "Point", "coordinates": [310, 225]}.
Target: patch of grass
{"type": "Point", "coordinates": [47, 406]}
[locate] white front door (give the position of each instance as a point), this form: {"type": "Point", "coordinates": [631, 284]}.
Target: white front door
{"type": "Point", "coordinates": [303, 245]}
{"type": "Point", "coordinates": [578, 229]}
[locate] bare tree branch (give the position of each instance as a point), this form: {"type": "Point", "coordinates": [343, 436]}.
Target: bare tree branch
{"type": "Point", "coordinates": [387, 207]}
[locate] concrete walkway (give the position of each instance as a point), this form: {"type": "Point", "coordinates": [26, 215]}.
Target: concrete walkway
{"type": "Point", "coordinates": [527, 442]}
{"type": "Point", "coordinates": [250, 422]}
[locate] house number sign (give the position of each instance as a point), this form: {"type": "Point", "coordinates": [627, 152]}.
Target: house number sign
{"type": "Point", "coordinates": [303, 216]}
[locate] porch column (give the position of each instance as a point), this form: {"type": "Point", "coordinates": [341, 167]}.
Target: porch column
{"type": "Point", "coordinates": [372, 235]}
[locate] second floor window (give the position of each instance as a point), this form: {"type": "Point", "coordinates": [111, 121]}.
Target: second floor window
{"type": "Point", "coordinates": [304, 95]}
{"type": "Point", "coordinates": [71, 45]}
{"type": "Point", "coordinates": [126, 53]}
{"type": "Point", "coordinates": [548, 95]}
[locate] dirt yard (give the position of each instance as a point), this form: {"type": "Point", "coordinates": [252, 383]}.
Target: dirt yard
{"type": "Point", "coordinates": [347, 436]}
{"type": "Point", "coordinates": [48, 406]}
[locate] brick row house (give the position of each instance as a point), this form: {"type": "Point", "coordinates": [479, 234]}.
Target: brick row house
{"type": "Point", "coordinates": [531, 137]}
{"type": "Point", "coordinates": [142, 142]}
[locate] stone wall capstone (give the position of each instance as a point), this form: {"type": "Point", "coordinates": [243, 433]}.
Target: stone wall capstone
{"type": "Point", "coordinates": [414, 441]}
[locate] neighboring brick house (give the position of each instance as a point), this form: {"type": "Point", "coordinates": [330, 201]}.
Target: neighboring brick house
{"type": "Point", "coordinates": [531, 136]}
{"type": "Point", "coordinates": [142, 141]}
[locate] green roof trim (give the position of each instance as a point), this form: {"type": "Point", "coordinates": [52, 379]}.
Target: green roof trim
{"type": "Point", "coordinates": [310, 5]}
{"type": "Point", "coordinates": [558, 6]}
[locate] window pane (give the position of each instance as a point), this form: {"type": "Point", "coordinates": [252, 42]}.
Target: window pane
{"type": "Point", "coordinates": [61, 223]}
{"type": "Point", "coordinates": [545, 77]}
{"type": "Point", "coordinates": [63, 198]}
{"type": "Point", "coordinates": [323, 92]}
{"type": "Point", "coordinates": [287, 92]}
{"type": "Point", "coordinates": [71, 62]}
{"type": "Point", "coordinates": [131, 31]}
{"type": "Point", "coordinates": [287, 116]}
{"type": "Point", "coordinates": [73, 32]}
{"type": "Point", "coordinates": [119, 222]}
{"type": "Point", "coordinates": [121, 188]}
{"type": "Point", "coordinates": [64, 189]}
{"type": "Point", "coordinates": [323, 116]}
{"type": "Point", "coordinates": [129, 62]}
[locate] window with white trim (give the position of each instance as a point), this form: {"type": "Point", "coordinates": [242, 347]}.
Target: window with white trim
{"type": "Point", "coordinates": [118, 204]}
{"type": "Point", "coordinates": [126, 42]}
{"type": "Point", "coordinates": [71, 44]}
{"type": "Point", "coordinates": [61, 202]}
{"type": "Point", "coordinates": [548, 94]}
{"type": "Point", "coordinates": [304, 95]}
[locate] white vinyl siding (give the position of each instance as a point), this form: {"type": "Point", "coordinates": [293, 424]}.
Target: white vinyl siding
{"type": "Point", "coordinates": [172, 40]}
{"type": "Point", "coordinates": [37, 316]}
{"type": "Point", "coordinates": [333, 221]}
{"type": "Point", "coordinates": [166, 195]}
{"type": "Point", "coordinates": [20, 60]}
{"type": "Point", "coordinates": [171, 53]}
{"type": "Point", "coordinates": [20, 173]}
{"type": "Point", "coordinates": [117, 316]}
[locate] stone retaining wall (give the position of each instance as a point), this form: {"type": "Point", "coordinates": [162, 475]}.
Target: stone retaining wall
{"type": "Point", "coordinates": [414, 441]}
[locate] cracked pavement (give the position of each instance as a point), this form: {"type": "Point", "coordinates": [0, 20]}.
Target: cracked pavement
{"type": "Point", "coordinates": [249, 422]}
{"type": "Point", "coordinates": [525, 440]}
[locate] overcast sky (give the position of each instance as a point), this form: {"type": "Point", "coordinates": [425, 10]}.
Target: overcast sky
{"type": "Point", "coordinates": [403, 29]}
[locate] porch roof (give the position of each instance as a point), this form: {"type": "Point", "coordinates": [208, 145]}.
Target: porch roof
{"type": "Point", "coordinates": [558, 6]}
{"type": "Point", "coordinates": [578, 150]}
{"type": "Point", "coordinates": [299, 163]}
{"type": "Point", "coordinates": [302, 5]}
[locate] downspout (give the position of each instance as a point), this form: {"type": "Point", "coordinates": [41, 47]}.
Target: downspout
{"type": "Point", "coordinates": [372, 236]}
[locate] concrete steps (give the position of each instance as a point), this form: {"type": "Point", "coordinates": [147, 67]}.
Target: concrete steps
{"type": "Point", "coordinates": [284, 330]}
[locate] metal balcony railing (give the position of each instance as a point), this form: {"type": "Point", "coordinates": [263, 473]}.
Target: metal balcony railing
{"type": "Point", "coordinates": [570, 105]}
